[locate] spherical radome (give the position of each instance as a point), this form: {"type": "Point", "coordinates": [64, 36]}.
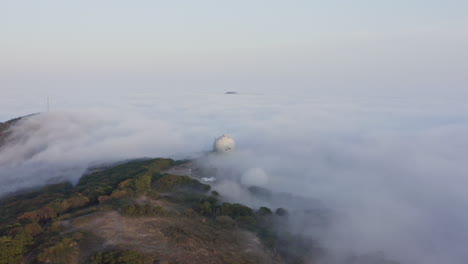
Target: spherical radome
{"type": "Point", "coordinates": [224, 144]}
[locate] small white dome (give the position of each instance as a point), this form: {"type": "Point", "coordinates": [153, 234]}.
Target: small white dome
{"type": "Point", "coordinates": [224, 144]}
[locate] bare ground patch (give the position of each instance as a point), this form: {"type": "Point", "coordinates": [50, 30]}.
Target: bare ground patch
{"type": "Point", "coordinates": [178, 240]}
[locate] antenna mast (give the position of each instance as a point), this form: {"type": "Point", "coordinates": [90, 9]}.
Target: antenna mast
{"type": "Point", "coordinates": [48, 104]}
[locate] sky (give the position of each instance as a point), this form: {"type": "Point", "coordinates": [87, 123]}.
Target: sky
{"type": "Point", "coordinates": [358, 104]}
{"type": "Point", "coordinates": [75, 48]}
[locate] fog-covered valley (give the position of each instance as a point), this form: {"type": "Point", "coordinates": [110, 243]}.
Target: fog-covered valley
{"type": "Point", "coordinates": [388, 172]}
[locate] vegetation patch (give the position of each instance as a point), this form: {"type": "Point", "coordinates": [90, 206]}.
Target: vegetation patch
{"type": "Point", "coordinates": [105, 182]}
{"type": "Point", "coordinates": [13, 247]}
{"type": "Point", "coordinates": [170, 183]}
{"type": "Point", "coordinates": [39, 226]}
{"type": "Point", "coordinates": [64, 252]}
{"type": "Point", "coordinates": [142, 210]}
{"type": "Point", "coordinates": [118, 257]}
{"type": "Point", "coordinates": [13, 206]}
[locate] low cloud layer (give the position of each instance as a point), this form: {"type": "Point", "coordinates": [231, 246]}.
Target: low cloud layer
{"type": "Point", "coordinates": [392, 171]}
{"type": "Point", "coordinates": [60, 146]}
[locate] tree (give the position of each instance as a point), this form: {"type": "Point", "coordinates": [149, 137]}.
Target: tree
{"type": "Point", "coordinates": [118, 257]}
{"type": "Point", "coordinates": [142, 183]}
{"type": "Point", "coordinates": [64, 252]}
{"type": "Point", "coordinates": [13, 248]}
{"type": "Point", "coordinates": [264, 211]}
{"type": "Point", "coordinates": [281, 212]}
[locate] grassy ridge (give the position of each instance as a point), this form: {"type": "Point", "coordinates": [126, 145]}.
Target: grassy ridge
{"type": "Point", "coordinates": [35, 226]}
{"type": "Point", "coordinates": [32, 231]}
{"type": "Point", "coordinates": [28, 219]}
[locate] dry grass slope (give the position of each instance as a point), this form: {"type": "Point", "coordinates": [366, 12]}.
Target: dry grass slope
{"type": "Point", "coordinates": [177, 239]}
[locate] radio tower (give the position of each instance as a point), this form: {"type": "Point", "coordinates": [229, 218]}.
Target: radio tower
{"type": "Point", "coordinates": [48, 105]}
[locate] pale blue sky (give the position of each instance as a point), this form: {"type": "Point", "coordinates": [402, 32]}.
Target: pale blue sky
{"type": "Point", "coordinates": [106, 32]}
{"type": "Point", "coordinates": [50, 46]}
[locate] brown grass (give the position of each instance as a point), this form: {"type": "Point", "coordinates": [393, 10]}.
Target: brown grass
{"type": "Point", "coordinates": [177, 239]}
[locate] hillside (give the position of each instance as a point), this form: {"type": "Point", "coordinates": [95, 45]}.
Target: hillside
{"type": "Point", "coordinates": [135, 213]}
{"type": "Point", "coordinates": [5, 128]}
{"type": "Point", "coordinates": [151, 211]}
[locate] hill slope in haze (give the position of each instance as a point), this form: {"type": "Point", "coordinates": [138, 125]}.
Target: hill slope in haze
{"type": "Point", "coordinates": [152, 211]}
{"type": "Point", "coordinates": [5, 128]}
{"type": "Point", "coordinates": [135, 213]}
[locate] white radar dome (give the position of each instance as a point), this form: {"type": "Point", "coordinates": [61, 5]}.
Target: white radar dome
{"type": "Point", "coordinates": [224, 144]}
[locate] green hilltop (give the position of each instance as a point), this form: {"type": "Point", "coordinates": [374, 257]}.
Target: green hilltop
{"type": "Point", "coordinates": [136, 213]}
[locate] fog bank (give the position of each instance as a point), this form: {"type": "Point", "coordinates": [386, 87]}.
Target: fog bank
{"type": "Point", "coordinates": [391, 171]}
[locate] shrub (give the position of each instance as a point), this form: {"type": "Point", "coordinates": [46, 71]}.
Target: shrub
{"type": "Point", "coordinates": [190, 213]}
{"type": "Point", "coordinates": [10, 250]}
{"type": "Point", "coordinates": [13, 248]}
{"type": "Point", "coordinates": [264, 211]}
{"type": "Point", "coordinates": [264, 217]}
{"type": "Point", "coordinates": [103, 198]}
{"type": "Point", "coordinates": [76, 201]}
{"type": "Point", "coordinates": [154, 195]}
{"type": "Point", "coordinates": [33, 229]}
{"type": "Point", "coordinates": [225, 221]}
{"type": "Point", "coordinates": [248, 222]}
{"type": "Point", "coordinates": [160, 164]}
{"type": "Point", "coordinates": [125, 184]}
{"type": "Point", "coordinates": [53, 209]}
{"type": "Point", "coordinates": [267, 236]}
{"type": "Point", "coordinates": [142, 183]}
{"type": "Point", "coordinates": [128, 210]}
{"type": "Point", "coordinates": [117, 194]}
{"type": "Point", "coordinates": [170, 183]}
{"type": "Point", "coordinates": [104, 182]}
{"type": "Point", "coordinates": [180, 162]}
{"type": "Point", "coordinates": [41, 215]}
{"type": "Point", "coordinates": [178, 233]}
{"type": "Point", "coordinates": [235, 210]}
{"type": "Point", "coordinates": [55, 226]}
{"type": "Point", "coordinates": [13, 206]}
{"type": "Point", "coordinates": [281, 212]}
{"type": "Point", "coordinates": [136, 210]}
{"type": "Point", "coordinates": [207, 206]}
{"type": "Point", "coordinates": [118, 257]}
{"type": "Point", "coordinates": [64, 252]}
